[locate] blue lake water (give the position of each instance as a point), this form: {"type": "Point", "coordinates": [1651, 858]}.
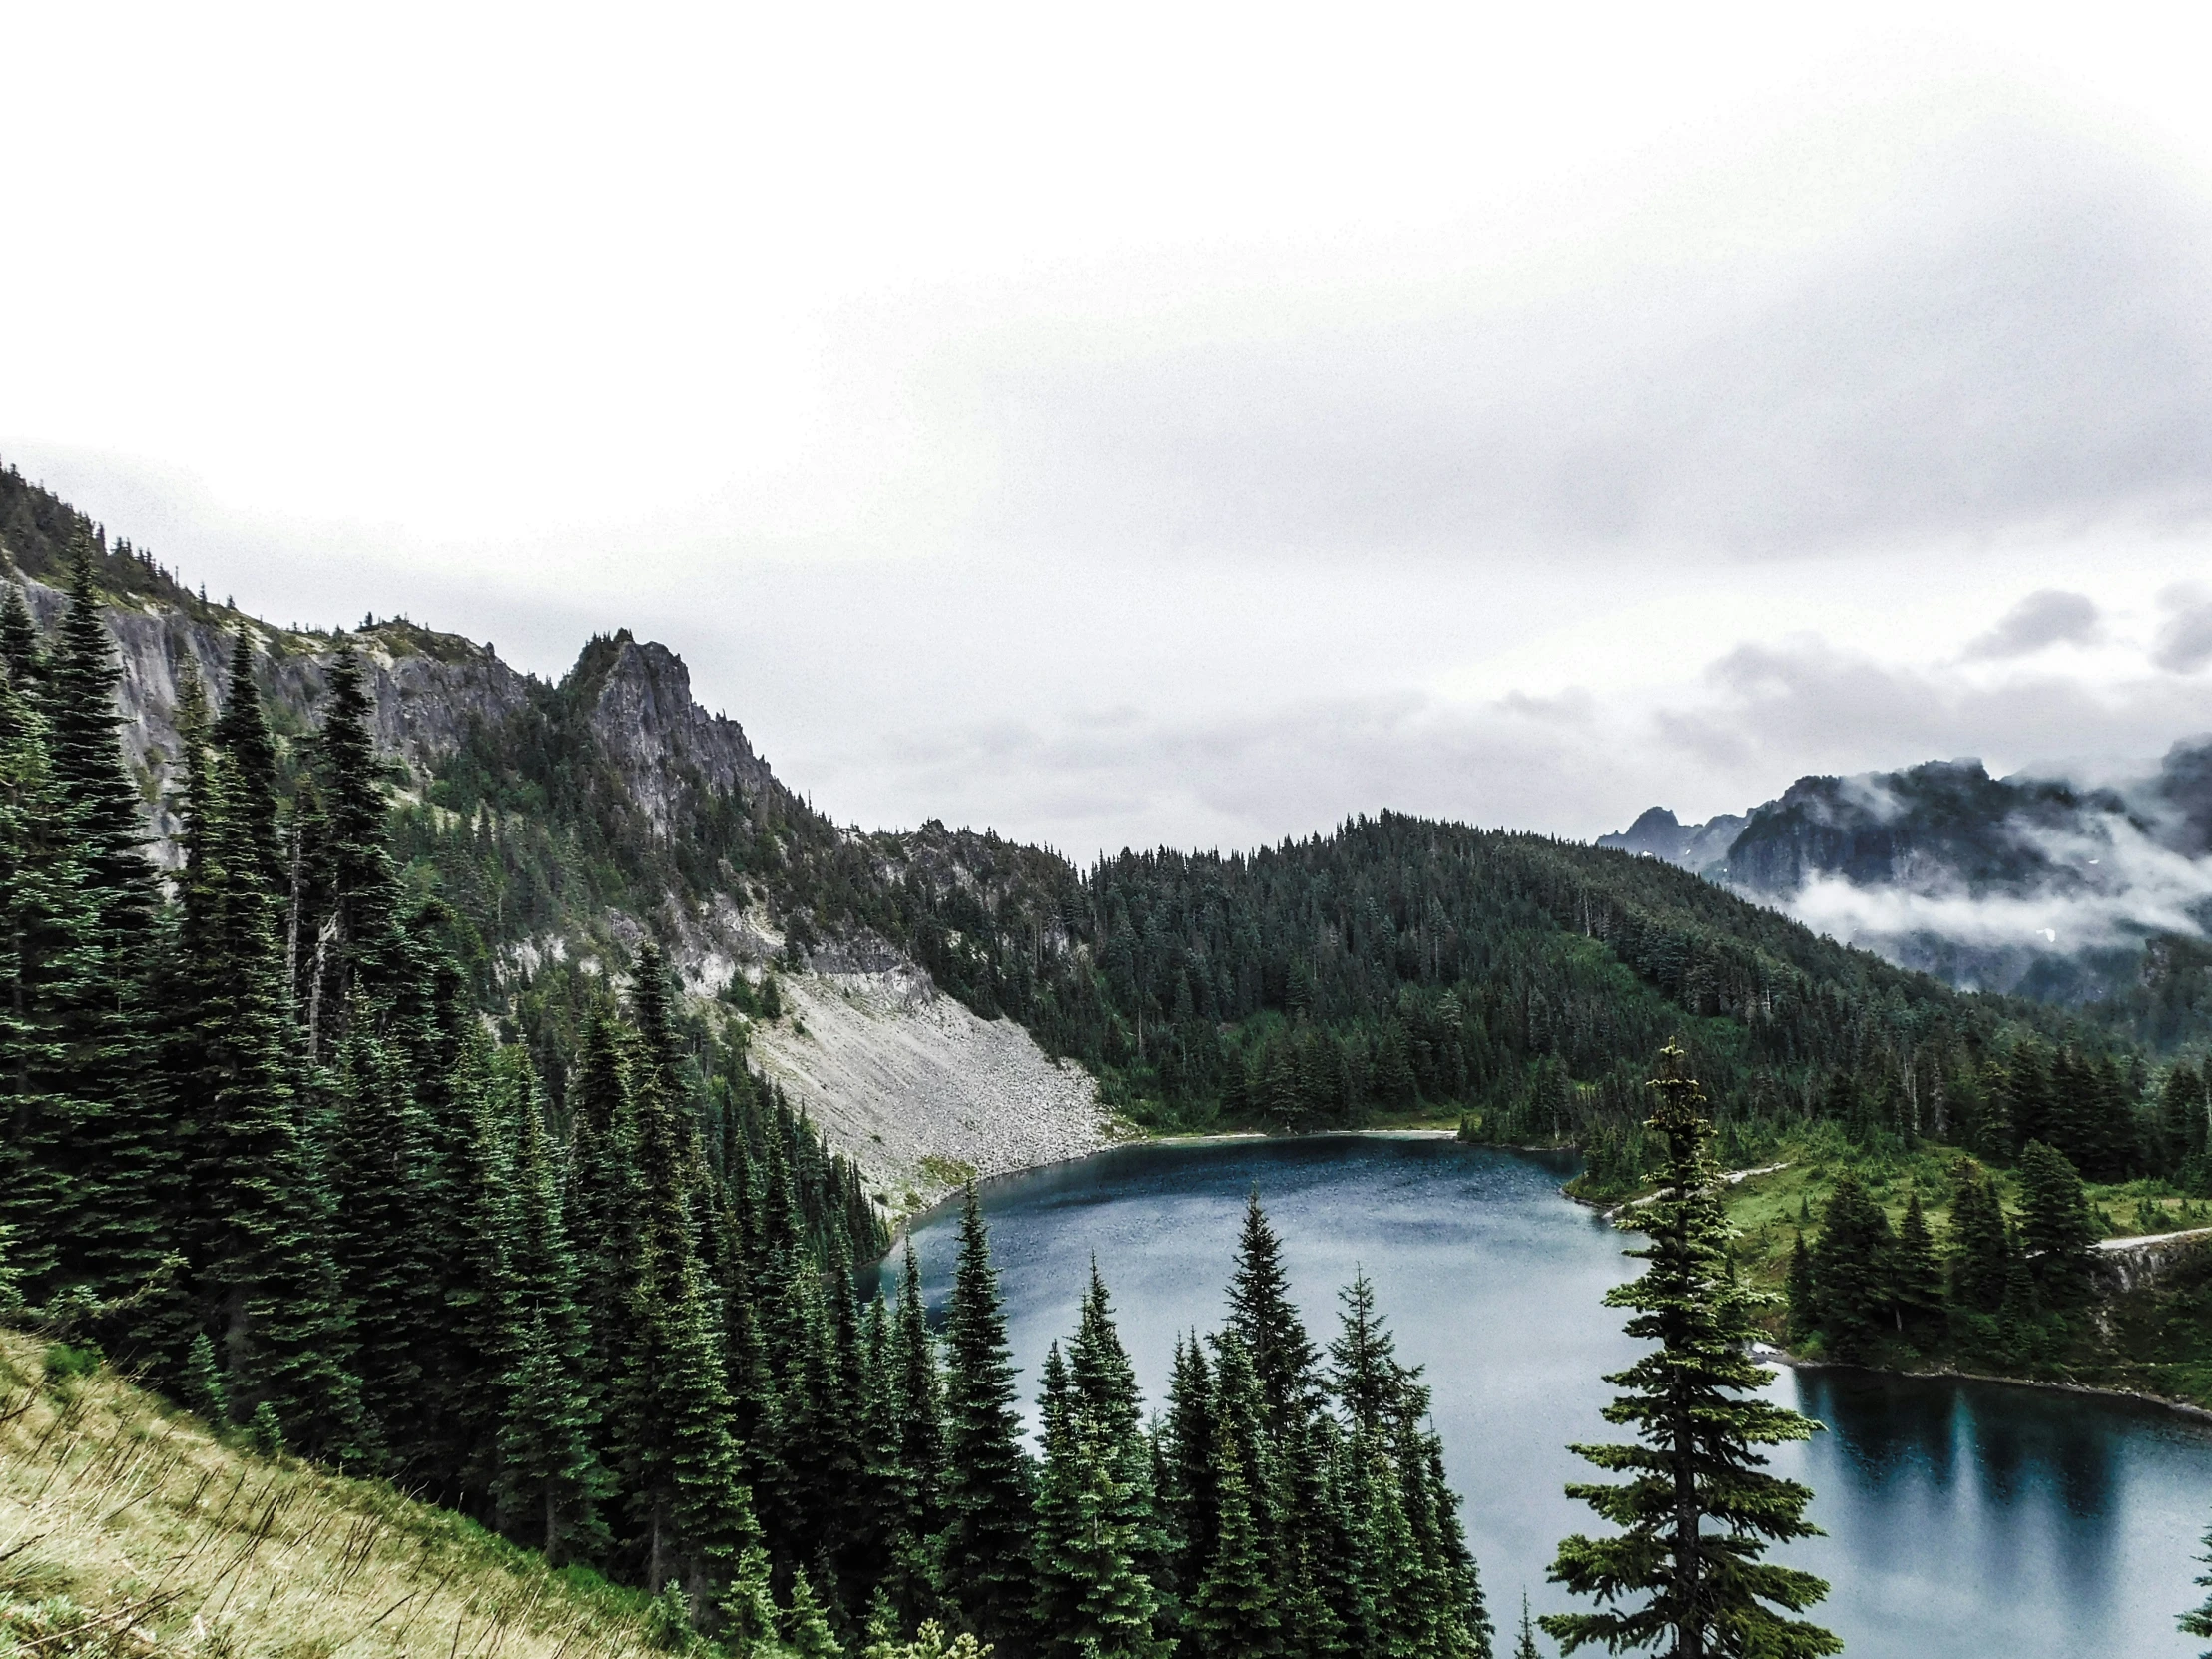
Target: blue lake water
{"type": "Point", "coordinates": [1963, 1519]}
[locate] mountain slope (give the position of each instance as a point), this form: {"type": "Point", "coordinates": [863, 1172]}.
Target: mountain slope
{"type": "Point", "coordinates": [1391, 966]}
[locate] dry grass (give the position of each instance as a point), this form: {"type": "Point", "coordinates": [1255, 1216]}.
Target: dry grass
{"type": "Point", "coordinates": [127, 1530]}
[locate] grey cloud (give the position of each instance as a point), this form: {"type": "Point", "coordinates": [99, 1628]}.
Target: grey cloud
{"type": "Point", "coordinates": [2050, 616]}
{"type": "Point", "coordinates": [2021, 340]}
{"type": "Point", "coordinates": [2185, 639]}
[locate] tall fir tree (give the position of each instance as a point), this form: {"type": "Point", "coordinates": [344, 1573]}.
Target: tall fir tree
{"type": "Point", "coordinates": [1666, 1578]}
{"type": "Point", "coordinates": [1261, 1315]}
{"type": "Point", "coordinates": [1978, 1241]}
{"type": "Point", "coordinates": [122, 1158]}
{"type": "Point", "coordinates": [1233, 1611]}
{"type": "Point", "coordinates": [551, 1481]}
{"type": "Point", "coordinates": [2057, 1229]}
{"type": "Point", "coordinates": [48, 953]}
{"type": "Point", "coordinates": [988, 1477]}
{"type": "Point", "coordinates": [1851, 1269]}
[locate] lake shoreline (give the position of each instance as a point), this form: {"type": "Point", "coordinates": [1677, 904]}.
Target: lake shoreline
{"type": "Point", "coordinates": [1221, 1137]}
{"type": "Point", "coordinates": [1767, 1354]}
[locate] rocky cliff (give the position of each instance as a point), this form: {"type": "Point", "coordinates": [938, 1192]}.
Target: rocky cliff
{"type": "Point", "coordinates": [689, 835]}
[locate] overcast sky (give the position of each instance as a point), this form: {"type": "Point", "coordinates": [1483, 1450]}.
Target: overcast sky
{"type": "Point", "coordinates": [1124, 424]}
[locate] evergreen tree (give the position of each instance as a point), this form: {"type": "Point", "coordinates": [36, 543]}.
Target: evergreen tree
{"type": "Point", "coordinates": [551, 1481]}
{"type": "Point", "coordinates": [2057, 1230]}
{"type": "Point", "coordinates": [1525, 1647]}
{"type": "Point", "coordinates": [1233, 1609]}
{"type": "Point", "coordinates": [1799, 1296]}
{"type": "Point", "coordinates": [120, 1153]}
{"type": "Point", "coordinates": [986, 1484]}
{"type": "Point", "coordinates": [602, 1206]}
{"type": "Point", "coordinates": [271, 1284]}
{"type": "Point", "coordinates": [49, 954]}
{"type": "Point", "coordinates": [1094, 1520]}
{"type": "Point", "coordinates": [1666, 1578]}
{"type": "Point", "coordinates": [680, 1467]}
{"type": "Point", "coordinates": [1850, 1269]}
{"type": "Point", "coordinates": [1978, 1241]}
{"type": "Point", "coordinates": [1188, 1502]}
{"type": "Point", "coordinates": [1916, 1278]}
{"type": "Point", "coordinates": [807, 1627]}
{"type": "Point", "coordinates": [2198, 1620]}
{"type": "Point", "coordinates": [348, 900]}
{"type": "Point", "coordinates": [20, 653]}
{"type": "Point", "coordinates": [380, 1179]}
{"type": "Point", "coordinates": [1365, 1372]}
{"type": "Point", "coordinates": [1263, 1316]}
{"type": "Point", "coordinates": [242, 733]}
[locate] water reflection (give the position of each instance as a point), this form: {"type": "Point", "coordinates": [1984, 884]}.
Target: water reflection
{"type": "Point", "coordinates": [1963, 1519]}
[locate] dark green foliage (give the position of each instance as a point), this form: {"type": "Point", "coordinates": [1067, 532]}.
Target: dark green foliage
{"type": "Point", "coordinates": [1234, 1610]}
{"type": "Point", "coordinates": [1851, 1269]}
{"type": "Point", "coordinates": [1916, 1276]}
{"type": "Point", "coordinates": [1665, 1578]}
{"type": "Point", "coordinates": [1282, 1357]}
{"type": "Point", "coordinates": [201, 1387]}
{"type": "Point", "coordinates": [1980, 1244]}
{"type": "Point", "coordinates": [2198, 1620]}
{"type": "Point", "coordinates": [1800, 1297]}
{"type": "Point", "coordinates": [988, 1477]}
{"type": "Point", "coordinates": [2056, 1228]}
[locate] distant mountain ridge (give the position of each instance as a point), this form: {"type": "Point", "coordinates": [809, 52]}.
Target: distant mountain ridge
{"type": "Point", "coordinates": [2024, 884]}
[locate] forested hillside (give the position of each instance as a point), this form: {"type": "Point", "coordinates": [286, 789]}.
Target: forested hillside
{"type": "Point", "coordinates": [1394, 965]}
{"type": "Point", "coordinates": [261, 1147]}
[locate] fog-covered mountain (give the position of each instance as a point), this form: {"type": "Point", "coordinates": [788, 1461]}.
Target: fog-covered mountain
{"type": "Point", "coordinates": [2031, 884]}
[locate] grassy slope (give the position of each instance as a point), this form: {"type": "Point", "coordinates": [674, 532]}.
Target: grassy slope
{"type": "Point", "coordinates": [2153, 1341]}
{"type": "Point", "coordinates": [126, 1529]}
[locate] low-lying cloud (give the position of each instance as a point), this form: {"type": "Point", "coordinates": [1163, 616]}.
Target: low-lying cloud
{"type": "Point", "coordinates": [2117, 887]}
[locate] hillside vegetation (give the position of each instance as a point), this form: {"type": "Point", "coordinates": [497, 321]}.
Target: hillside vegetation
{"type": "Point", "coordinates": [127, 1528]}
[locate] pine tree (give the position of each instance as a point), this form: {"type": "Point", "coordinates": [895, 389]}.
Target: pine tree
{"type": "Point", "coordinates": [1850, 1269]}
{"type": "Point", "coordinates": [48, 953]}
{"type": "Point", "coordinates": [1261, 1315]}
{"type": "Point", "coordinates": [1978, 1241]}
{"type": "Point", "coordinates": [203, 1382]}
{"type": "Point", "coordinates": [1916, 1278]}
{"type": "Point", "coordinates": [2057, 1230]}
{"type": "Point", "coordinates": [1365, 1372]}
{"type": "Point", "coordinates": [20, 653]}
{"type": "Point", "coordinates": [806, 1627]}
{"type": "Point", "coordinates": [121, 1154]}
{"type": "Point", "coordinates": [1188, 1502]}
{"type": "Point", "coordinates": [1525, 1647]}
{"type": "Point", "coordinates": [478, 1322]}
{"type": "Point", "coordinates": [243, 733]}
{"type": "Point", "coordinates": [988, 1479]}
{"type": "Point", "coordinates": [1665, 1577]}
{"type": "Point", "coordinates": [380, 1179]}
{"type": "Point", "coordinates": [550, 1477]}
{"type": "Point", "coordinates": [2198, 1620]}
{"type": "Point", "coordinates": [1799, 1296]}
{"type": "Point", "coordinates": [271, 1285]}
{"type": "Point", "coordinates": [1094, 1519]}
{"type": "Point", "coordinates": [1233, 1611]}
{"type": "Point", "coordinates": [549, 1466]}
{"type": "Point", "coordinates": [348, 895]}
{"type": "Point", "coordinates": [602, 1206]}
